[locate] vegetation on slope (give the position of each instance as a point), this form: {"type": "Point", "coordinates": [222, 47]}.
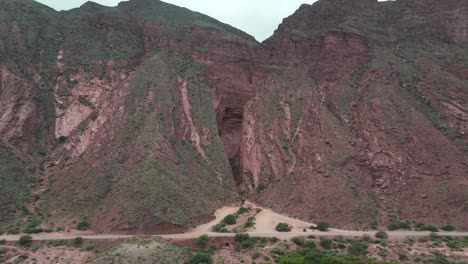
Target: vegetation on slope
{"type": "Point", "coordinates": [16, 180]}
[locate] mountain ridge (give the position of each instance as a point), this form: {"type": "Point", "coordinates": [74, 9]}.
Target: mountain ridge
{"type": "Point", "coordinates": [148, 119]}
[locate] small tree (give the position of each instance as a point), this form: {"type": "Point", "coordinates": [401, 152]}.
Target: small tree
{"type": "Point", "coordinates": [202, 241]}
{"type": "Point", "coordinates": [323, 226]}
{"type": "Point", "coordinates": [78, 241]}
{"type": "Point", "coordinates": [62, 139]}
{"type": "Point", "coordinates": [381, 235]}
{"type": "Point", "coordinates": [298, 241]}
{"type": "Point", "coordinates": [229, 219]}
{"type": "Point", "coordinates": [84, 224]}
{"type": "Point", "coordinates": [25, 241]}
{"type": "Point", "coordinates": [447, 227]}
{"type": "Point", "coordinates": [283, 227]}
{"type": "Point", "coordinates": [240, 237]}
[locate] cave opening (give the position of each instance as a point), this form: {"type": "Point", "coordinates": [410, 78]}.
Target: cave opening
{"type": "Point", "coordinates": [230, 118]}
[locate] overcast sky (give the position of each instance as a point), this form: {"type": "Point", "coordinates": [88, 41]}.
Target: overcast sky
{"type": "Point", "coordinates": [259, 18]}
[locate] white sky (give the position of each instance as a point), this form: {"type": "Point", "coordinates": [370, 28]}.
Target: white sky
{"type": "Point", "coordinates": [258, 18]}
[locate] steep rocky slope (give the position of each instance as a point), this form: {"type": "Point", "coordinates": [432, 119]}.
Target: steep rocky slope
{"type": "Point", "coordinates": [147, 116]}
{"type": "Point", "coordinates": [366, 119]}
{"type": "Point", "coordinates": [122, 106]}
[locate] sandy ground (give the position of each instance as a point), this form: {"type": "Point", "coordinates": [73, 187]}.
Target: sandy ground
{"type": "Point", "coordinates": [265, 221]}
{"type": "Point", "coordinates": [219, 214]}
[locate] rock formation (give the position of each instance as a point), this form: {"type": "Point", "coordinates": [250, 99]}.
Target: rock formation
{"type": "Point", "coordinates": [147, 116]}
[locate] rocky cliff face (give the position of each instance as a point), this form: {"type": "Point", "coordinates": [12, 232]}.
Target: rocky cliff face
{"type": "Point", "coordinates": [148, 114]}
{"type": "Point", "coordinates": [366, 120]}
{"type": "Point", "coordinates": [122, 106]}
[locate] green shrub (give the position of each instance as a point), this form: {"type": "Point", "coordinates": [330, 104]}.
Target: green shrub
{"type": "Point", "coordinates": [394, 225]}
{"type": "Point", "coordinates": [434, 237]}
{"type": "Point", "coordinates": [381, 235]}
{"type": "Point", "coordinates": [261, 187]}
{"type": "Point", "coordinates": [298, 241]}
{"type": "Point", "coordinates": [250, 222]}
{"type": "Point", "coordinates": [423, 227]}
{"type": "Point", "coordinates": [402, 257]}
{"type": "Point", "coordinates": [25, 241]}
{"type": "Point", "coordinates": [278, 252]}
{"type": "Point", "coordinates": [94, 115]}
{"type": "Point", "coordinates": [240, 237]}
{"type": "Point", "coordinates": [14, 231]}
{"type": "Point", "coordinates": [323, 226]}
{"type": "Point", "coordinates": [447, 227]}
{"type": "Point", "coordinates": [217, 228]}
{"type": "Point", "coordinates": [423, 239]}
{"type": "Point", "coordinates": [283, 227]}
{"type": "Point", "coordinates": [242, 210]}
{"type": "Point", "coordinates": [357, 248]}
{"type": "Point", "coordinates": [2, 242]}
{"type": "Point", "coordinates": [212, 249]}
{"type": "Point", "coordinates": [249, 243]}
{"type": "Point", "coordinates": [310, 244]}
{"type": "Point", "coordinates": [202, 241]}
{"type": "Point", "coordinates": [57, 243]}
{"type": "Point", "coordinates": [325, 243]}
{"type": "Point", "coordinates": [454, 245]}
{"type": "Point", "coordinates": [229, 219]}
{"type": "Point", "coordinates": [200, 258]}
{"type": "Point", "coordinates": [366, 238]}
{"type": "Point", "coordinates": [383, 243]}
{"type": "Point", "coordinates": [78, 241]}
{"type": "Point", "coordinates": [84, 224]}
{"type": "Point", "coordinates": [33, 222]}
{"type": "Point", "coordinates": [89, 247]}
{"type": "Point", "coordinates": [256, 255]}
{"type": "Point", "coordinates": [374, 225]}
{"type": "Point", "coordinates": [62, 139]}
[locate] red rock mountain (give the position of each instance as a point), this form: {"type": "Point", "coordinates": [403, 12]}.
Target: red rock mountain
{"type": "Point", "coordinates": [148, 116]}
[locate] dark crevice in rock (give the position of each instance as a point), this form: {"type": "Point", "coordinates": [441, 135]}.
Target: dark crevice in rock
{"type": "Point", "coordinates": [230, 118]}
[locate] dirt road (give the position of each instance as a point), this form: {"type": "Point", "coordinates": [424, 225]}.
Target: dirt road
{"type": "Point", "coordinates": [281, 235]}
{"type": "Point", "coordinates": [266, 221]}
